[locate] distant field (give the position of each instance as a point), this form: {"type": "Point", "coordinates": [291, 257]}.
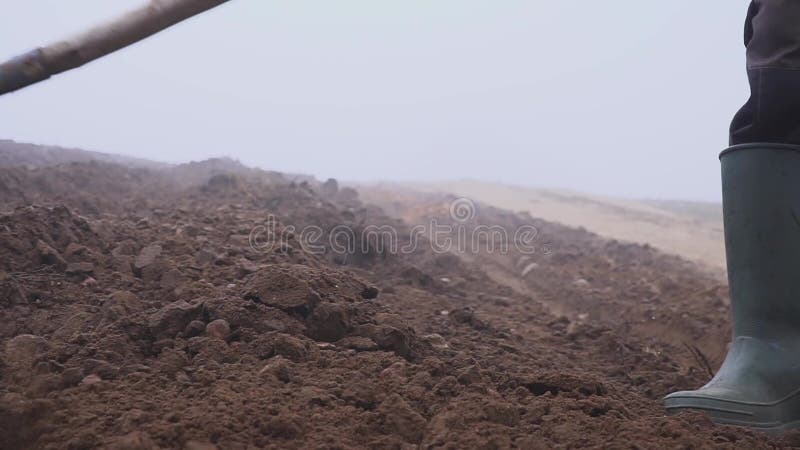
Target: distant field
{"type": "Point", "coordinates": [692, 230]}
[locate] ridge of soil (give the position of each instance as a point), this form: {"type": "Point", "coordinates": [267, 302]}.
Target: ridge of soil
{"type": "Point", "coordinates": [139, 313]}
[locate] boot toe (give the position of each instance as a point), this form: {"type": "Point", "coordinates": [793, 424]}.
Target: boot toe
{"type": "Point", "coordinates": [725, 406]}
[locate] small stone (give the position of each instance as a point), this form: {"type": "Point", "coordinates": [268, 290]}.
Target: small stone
{"type": "Point", "coordinates": [315, 396]}
{"type": "Point", "coordinates": [290, 347]}
{"type": "Point", "coordinates": [395, 370]}
{"type": "Point", "coordinates": [464, 315]}
{"type": "Point", "coordinates": [447, 387]}
{"type": "Point", "coordinates": [172, 278]}
{"type": "Point", "coordinates": [189, 230]}
{"type": "Point", "coordinates": [195, 328]}
{"type": "Point", "coordinates": [580, 282]}
{"type": "Point", "coordinates": [370, 293]}
{"type": "Point", "coordinates": [205, 257]}
{"type": "Point", "coordinates": [173, 318]}
{"type": "Point", "coordinates": [71, 377]}
{"type": "Point", "coordinates": [103, 369]}
{"type": "Point", "coordinates": [134, 368]}
{"type": "Point", "coordinates": [219, 329]}
{"type": "Point", "coordinates": [147, 256]}
{"type": "Point", "coordinates": [279, 368]}
{"type": "Point", "coordinates": [90, 379]}
{"type": "Point", "coordinates": [74, 249]}
{"type": "Point", "coordinates": [436, 341]}
{"type": "Point", "coordinates": [278, 287]}
{"type": "Point", "coordinates": [390, 333]}
{"type": "Point", "coordinates": [329, 322]}
{"type": "Point", "coordinates": [127, 248]}
{"type": "Point", "coordinates": [470, 375]}
{"type": "Point", "coordinates": [358, 343]}
{"type": "Point", "coordinates": [245, 267]}
{"type": "Point", "coordinates": [529, 268]}
{"type": "Point", "coordinates": [80, 268]}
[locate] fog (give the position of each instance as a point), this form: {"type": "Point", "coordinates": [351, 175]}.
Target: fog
{"type": "Point", "coordinates": [625, 97]}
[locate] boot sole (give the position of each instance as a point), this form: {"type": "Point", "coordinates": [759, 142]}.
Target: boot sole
{"type": "Point", "coordinates": [775, 418]}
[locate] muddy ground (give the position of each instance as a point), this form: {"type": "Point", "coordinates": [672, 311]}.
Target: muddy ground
{"type": "Point", "coordinates": [191, 307]}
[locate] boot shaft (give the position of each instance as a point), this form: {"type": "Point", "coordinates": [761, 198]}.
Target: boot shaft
{"type": "Point", "coordinates": [761, 204]}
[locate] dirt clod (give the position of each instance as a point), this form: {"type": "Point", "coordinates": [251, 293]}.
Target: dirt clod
{"type": "Point", "coordinates": [219, 329]}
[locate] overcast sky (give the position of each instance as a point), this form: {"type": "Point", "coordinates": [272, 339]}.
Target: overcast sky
{"type": "Point", "coordinates": [619, 97]}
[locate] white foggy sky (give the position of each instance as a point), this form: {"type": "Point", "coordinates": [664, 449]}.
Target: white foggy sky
{"type": "Point", "coordinates": [619, 97]}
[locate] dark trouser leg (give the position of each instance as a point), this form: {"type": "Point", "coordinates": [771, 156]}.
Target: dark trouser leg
{"type": "Point", "coordinates": [772, 37]}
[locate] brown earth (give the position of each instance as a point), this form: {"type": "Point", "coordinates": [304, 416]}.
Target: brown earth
{"type": "Point", "coordinates": [147, 308]}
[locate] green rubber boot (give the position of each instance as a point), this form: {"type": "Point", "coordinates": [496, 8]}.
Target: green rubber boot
{"type": "Point", "coordinates": [758, 385]}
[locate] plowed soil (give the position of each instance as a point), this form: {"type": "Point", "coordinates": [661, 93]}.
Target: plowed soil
{"type": "Point", "coordinates": [142, 308]}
